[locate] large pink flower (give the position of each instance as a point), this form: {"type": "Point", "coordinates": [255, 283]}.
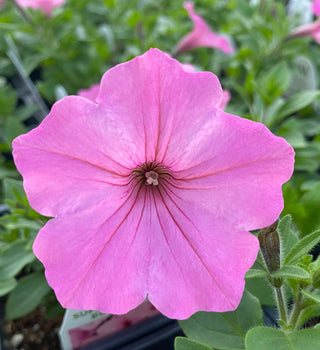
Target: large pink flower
{"type": "Point", "coordinates": [46, 6]}
{"type": "Point", "coordinates": [201, 35]}
{"type": "Point", "coordinates": [310, 29]}
{"type": "Point", "coordinates": [153, 189]}
{"type": "Point", "coordinates": [316, 7]}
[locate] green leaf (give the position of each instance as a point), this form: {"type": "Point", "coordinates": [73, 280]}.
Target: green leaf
{"type": "Point", "coordinates": [287, 236]}
{"type": "Point", "coordinates": [313, 296]}
{"type": "Point", "coordinates": [181, 343]}
{"type": "Point", "coordinates": [311, 203]}
{"type": "Point", "coordinates": [261, 289]}
{"type": "Point", "coordinates": [297, 102]}
{"type": "Point", "coordinates": [254, 273]}
{"type": "Point", "coordinates": [291, 271]}
{"type": "Point", "coordinates": [275, 82]}
{"type": "Point", "coordinates": [309, 312]}
{"type": "Point", "coordinates": [14, 258]}
{"type": "Point", "coordinates": [12, 129]}
{"type": "Point", "coordinates": [224, 330]}
{"type": "Point", "coordinates": [13, 188]}
{"type": "Point", "coordinates": [28, 294]}
{"type": "Point", "coordinates": [302, 247]}
{"type": "Point", "coordinates": [7, 285]}
{"type": "Point", "coordinates": [266, 338]}
{"type": "Point", "coordinates": [21, 222]}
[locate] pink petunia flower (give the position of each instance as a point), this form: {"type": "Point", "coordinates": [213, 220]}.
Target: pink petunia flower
{"type": "Point", "coordinates": [91, 93]}
{"type": "Point", "coordinates": [201, 35]}
{"type": "Point", "coordinates": [316, 7]}
{"type": "Point", "coordinates": [310, 29]}
{"type": "Point", "coordinates": [46, 6]}
{"type": "Point", "coordinates": [153, 190]}
{"type": "Point", "coordinates": [225, 99]}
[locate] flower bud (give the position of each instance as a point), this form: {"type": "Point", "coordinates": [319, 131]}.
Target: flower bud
{"type": "Point", "coordinates": [270, 246]}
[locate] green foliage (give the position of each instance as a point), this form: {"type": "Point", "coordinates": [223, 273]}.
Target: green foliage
{"type": "Point", "coordinates": [266, 338]}
{"type": "Point", "coordinates": [27, 295]}
{"type": "Point", "coordinates": [181, 343]}
{"type": "Point", "coordinates": [302, 247]}
{"type": "Point", "coordinates": [272, 80]}
{"type": "Point", "coordinates": [224, 330]}
{"type": "Point", "coordinates": [291, 271]}
{"type": "Point", "coordinates": [18, 228]}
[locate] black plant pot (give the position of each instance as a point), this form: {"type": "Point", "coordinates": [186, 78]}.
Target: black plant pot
{"type": "Point", "coordinates": [155, 333]}
{"type": "Point", "coordinates": [2, 333]}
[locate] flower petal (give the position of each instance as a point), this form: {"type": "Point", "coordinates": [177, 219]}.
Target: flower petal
{"type": "Point", "coordinates": [96, 260]}
{"type": "Point", "coordinates": [241, 175]}
{"type": "Point", "coordinates": [198, 259]}
{"type": "Point", "coordinates": [154, 96]}
{"type": "Point", "coordinates": [310, 29]}
{"type": "Point", "coordinates": [91, 93]}
{"type": "Point", "coordinates": [68, 162]}
{"type": "Point", "coordinates": [316, 7]}
{"type": "Point", "coordinates": [148, 245]}
{"type": "Point", "coordinates": [201, 35]}
{"type": "Point", "coordinates": [46, 6]}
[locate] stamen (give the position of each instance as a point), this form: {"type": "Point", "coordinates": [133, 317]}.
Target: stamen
{"type": "Point", "coordinates": [152, 178]}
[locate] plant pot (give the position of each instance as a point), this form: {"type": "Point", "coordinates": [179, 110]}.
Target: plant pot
{"type": "Point", "coordinates": [1, 323]}
{"type": "Point", "coordinates": [155, 333]}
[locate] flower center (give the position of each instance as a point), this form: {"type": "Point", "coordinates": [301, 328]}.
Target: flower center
{"type": "Point", "coordinates": [152, 178]}
{"type": "Point", "coordinates": [151, 173]}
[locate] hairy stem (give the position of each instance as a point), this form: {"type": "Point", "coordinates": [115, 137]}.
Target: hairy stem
{"type": "Point", "coordinates": [295, 313]}
{"type": "Point", "coordinates": [281, 304]}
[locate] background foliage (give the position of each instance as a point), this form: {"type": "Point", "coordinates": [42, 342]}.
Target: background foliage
{"type": "Point", "coordinates": [272, 79]}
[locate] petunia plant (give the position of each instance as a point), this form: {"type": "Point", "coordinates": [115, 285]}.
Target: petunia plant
{"type": "Point", "coordinates": [155, 183]}
{"type": "Point", "coordinates": [153, 189]}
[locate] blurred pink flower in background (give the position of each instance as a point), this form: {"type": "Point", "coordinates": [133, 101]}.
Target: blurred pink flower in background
{"type": "Point", "coordinates": [201, 35]}
{"type": "Point", "coordinates": [316, 7]}
{"type": "Point", "coordinates": [225, 99]}
{"type": "Point", "coordinates": [310, 29]}
{"type": "Point", "coordinates": [153, 190]}
{"type": "Point", "coordinates": [91, 93]}
{"type": "Point", "coordinates": [46, 6]}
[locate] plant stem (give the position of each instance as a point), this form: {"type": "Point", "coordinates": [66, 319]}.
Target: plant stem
{"type": "Point", "coordinates": [295, 313]}
{"type": "Point", "coordinates": [24, 14]}
{"type": "Point", "coordinates": [13, 54]}
{"type": "Point", "coordinates": [281, 304]}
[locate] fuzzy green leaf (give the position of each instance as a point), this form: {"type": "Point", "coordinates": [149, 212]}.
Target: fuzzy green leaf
{"type": "Point", "coordinates": [292, 271]}
{"type": "Point", "coordinates": [254, 273]}
{"type": "Point", "coordinates": [182, 343]}
{"type": "Point", "coordinates": [313, 296]}
{"type": "Point", "coordinates": [302, 247]}
{"type": "Point", "coordinates": [266, 338]}
{"type": "Point", "coordinates": [225, 330]}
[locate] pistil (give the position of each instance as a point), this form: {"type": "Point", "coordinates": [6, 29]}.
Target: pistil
{"type": "Point", "coordinates": [152, 178]}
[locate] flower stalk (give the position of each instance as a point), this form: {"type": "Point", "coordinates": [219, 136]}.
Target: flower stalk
{"type": "Point", "coordinates": [270, 250]}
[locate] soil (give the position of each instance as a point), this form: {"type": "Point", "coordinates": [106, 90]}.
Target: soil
{"type": "Point", "coordinates": [33, 332]}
